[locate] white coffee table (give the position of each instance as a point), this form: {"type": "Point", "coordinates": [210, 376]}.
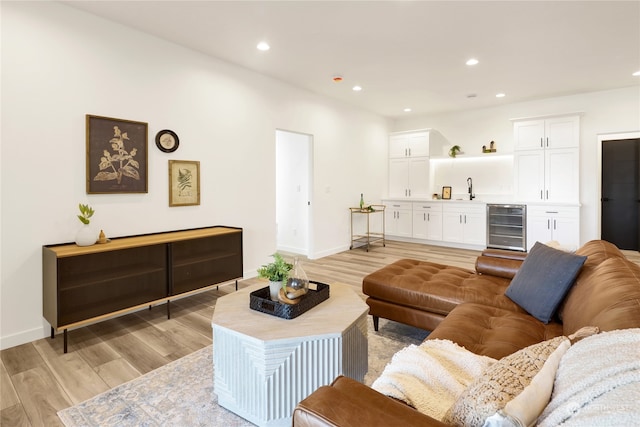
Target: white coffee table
{"type": "Point", "coordinates": [264, 365]}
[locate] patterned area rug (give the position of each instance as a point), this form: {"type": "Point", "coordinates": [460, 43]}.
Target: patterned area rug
{"type": "Point", "coordinates": [181, 393]}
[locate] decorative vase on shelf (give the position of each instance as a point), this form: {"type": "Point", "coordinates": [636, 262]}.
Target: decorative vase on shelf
{"type": "Point", "coordinates": [274, 289]}
{"type": "Point", "coordinates": [86, 236]}
{"type": "Point", "coordinates": [297, 283]}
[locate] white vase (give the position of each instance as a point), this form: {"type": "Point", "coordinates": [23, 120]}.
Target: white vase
{"type": "Point", "coordinates": [274, 289]}
{"type": "Point", "coordinates": [86, 236]}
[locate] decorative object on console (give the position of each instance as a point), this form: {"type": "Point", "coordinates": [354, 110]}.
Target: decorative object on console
{"type": "Point", "coordinates": [454, 151]}
{"type": "Point", "coordinates": [167, 141]}
{"type": "Point", "coordinates": [184, 183]}
{"type": "Point", "coordinates": [277, 273]}
{"type": "Point", "coordinates": [102, 238]}
{"type": "Point", "coordinates": [446, 193]}
{"type": "Point", "coordinates": [86, 235]}
{"type": "Point", "coordinates": [116, 155]}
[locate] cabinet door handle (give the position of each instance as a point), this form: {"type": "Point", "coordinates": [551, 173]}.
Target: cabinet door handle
{"type": "Point", "coordinates": [547, 141]}
{"type": "Point", "coordinates": [409, 192]}
{"type": "Point", "coordinates": [465, 219]}
{"type": "Point", "coordinates": [548, 224]}
{"type": "Point", "coordinates": [547, 194]}
{"type": "Point", "coordinates": [406, 153]}
{"type": "Point", "coordinates": [541, 143]}
{"type": "Point", "coordinates": [460, 218]}
{"type": "Point", "coordinates": [554, 224]}
{"type": "Point", "coordinates": [541, 198]}
{"type": "Point", "coordinates": [424, 216]}
{"type": "Point", "coordinates": [409, 152]}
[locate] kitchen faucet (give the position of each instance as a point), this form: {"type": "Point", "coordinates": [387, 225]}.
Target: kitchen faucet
{"type": "Point", "coordinates": [470, 185]}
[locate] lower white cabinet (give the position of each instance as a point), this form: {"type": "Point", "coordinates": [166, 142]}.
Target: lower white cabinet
{"type": "Point", "coordinates": [398, 221]}
{"type": "Point", "coordinates": [464, 223]}
{"type": "Point", "coordinates": [559, 223]}
{"type": "Point", "coordinates": [427, 221]}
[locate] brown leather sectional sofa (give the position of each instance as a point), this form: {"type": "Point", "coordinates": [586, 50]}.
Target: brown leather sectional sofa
{"type": "Point", "coordinates": [470, 309]}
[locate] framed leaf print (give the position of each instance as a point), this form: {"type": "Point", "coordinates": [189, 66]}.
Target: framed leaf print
{"type": "Point", "coordinates": [116, 155]}
{"type": "Point", "coordinates": [184, 183]}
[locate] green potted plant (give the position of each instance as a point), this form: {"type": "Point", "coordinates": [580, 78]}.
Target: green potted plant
{"type": "Point", "coordinates": [277, 273]}
{"type": "Point", "coordinates": [86, 235]}
{"type": "Point", "coordinates": [455, 150]}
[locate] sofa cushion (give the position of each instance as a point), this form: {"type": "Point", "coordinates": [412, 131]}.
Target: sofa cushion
{"type": "Point", "coordinates": [433, 287]}
{"type": "Point", "coordinates": [543, 280]}
{"type": "Point", "coordinates": [519, 386]}
{"type": "Point", "coordinates": [492, 331]}
{"type": "Point", "coordinates": [608, 297]}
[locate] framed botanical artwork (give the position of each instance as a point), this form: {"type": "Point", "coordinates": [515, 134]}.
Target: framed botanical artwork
{"type": "Point", "coordinates": [446, 193]}
{"type": "Point", "coordinates": [184, 183]}
{"type": "Point", "coordinates": [116, 155]}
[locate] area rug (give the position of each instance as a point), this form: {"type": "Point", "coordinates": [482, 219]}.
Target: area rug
{"type": "Point", "coordinates": [181, 392]}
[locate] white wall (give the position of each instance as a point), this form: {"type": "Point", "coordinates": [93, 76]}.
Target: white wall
{"type": "Point", "coordinates": [59, 64]}
{"type": "Point", "coordinates": [603, 112]}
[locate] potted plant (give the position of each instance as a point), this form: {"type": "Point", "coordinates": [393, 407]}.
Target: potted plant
{"type": "Point", "coordinates": [277, 273]}
{"type": "Point", "coordinates": [455, 150]}
{"type": "Point", "coordinates": [86, 235]}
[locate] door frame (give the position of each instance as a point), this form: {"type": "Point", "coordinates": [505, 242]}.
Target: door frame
{"type": "Point", "coordinates": [308, 251]}
{"type": "Point", "coordinates": [603, 138]}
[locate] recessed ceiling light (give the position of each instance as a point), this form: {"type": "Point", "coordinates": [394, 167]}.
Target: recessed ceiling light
{"type": "Point", "coordinates": [500, 95]}
{"type": "Point", "coordinates": [636, 74]}
{"type": "Point", "coordinates": [472, 61]}
{"type": "Point", "coordinates": [407, 110]}
{"type": "Point", "coordinates": [472, 95]}
{"type": "Point", "coordinates": [263, 46]}
{"type": "Point", "coordinates": [357, 88]}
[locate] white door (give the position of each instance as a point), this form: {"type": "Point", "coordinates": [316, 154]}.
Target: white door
{"type": "Point", "coordinates": [293, 191]}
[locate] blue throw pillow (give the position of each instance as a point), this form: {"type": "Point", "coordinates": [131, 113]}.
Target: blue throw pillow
{"type": "Point", "coordinates": [543, 280]}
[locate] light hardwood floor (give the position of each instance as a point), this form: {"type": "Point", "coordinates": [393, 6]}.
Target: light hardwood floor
{"type": "Point", "coordinates": [37, 379]}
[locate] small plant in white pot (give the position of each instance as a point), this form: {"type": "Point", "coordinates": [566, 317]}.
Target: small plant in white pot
{"type": "Point", "coordinates": [86, 235]}
{"type": "Point", "coordinates": [277, 273]}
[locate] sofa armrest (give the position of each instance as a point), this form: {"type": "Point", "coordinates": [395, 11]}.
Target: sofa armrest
{"type": "Point", "coordinates": [348, 403]}
{"type": "Point", "coordinates": [498, 265]}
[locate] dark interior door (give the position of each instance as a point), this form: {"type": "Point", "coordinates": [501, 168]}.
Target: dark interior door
{"type": "Point", "coordinates": [621, 193]}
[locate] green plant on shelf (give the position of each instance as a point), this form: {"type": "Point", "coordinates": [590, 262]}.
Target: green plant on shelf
{"type": "Point", "coordinates": [86, 212]}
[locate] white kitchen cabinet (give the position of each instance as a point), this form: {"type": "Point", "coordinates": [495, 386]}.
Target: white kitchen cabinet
{"type": "Point", "coordinates": [559, 223]}
{"type": "Point", "coordinates": [546, 160]}
{"type": "Point", "coordinates": [464, 223]}
{"type": "Point", "coordinates": [409, 178]}
{"type": "Point", "coordinates": [412, 144]}
{"type": "Point", "coordinates": [409, 164]}
{"type": "Point", "coordinates": [427, 220]}
{"type": "Point", "coordinates": [398, 219]}
{"type": "Point", "coordinates": [551, 132]}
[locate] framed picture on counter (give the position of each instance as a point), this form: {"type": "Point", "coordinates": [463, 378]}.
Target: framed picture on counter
{"type": "Point", "coordinates": [446, 193]}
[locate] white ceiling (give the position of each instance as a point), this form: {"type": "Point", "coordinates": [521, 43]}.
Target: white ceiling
{"type": "Point", "coordinates": [408, 53]}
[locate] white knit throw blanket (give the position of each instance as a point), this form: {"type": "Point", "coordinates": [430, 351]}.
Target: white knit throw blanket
{"type": "Point", "coordinates": [431, 376]}
{"type": "Point", "coordinates": [597, 383]}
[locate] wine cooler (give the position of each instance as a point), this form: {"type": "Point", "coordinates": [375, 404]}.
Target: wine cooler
{"type": "Point", "coordinates": [507, 227]}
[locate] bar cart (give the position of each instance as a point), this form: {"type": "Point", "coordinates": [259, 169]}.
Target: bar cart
{"type": "Point", "coordinates": [369, 237]}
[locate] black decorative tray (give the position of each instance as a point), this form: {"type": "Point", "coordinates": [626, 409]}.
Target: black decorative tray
{"type": "Point", "coordinates": [261, 301]}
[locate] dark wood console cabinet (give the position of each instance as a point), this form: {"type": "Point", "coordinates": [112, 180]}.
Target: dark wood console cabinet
{"type": "Point", "coordinates": [85, 284]}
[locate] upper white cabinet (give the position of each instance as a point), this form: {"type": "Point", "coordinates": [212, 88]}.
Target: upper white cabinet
{"type": "Point", "coordinates": [409, 164]}
{"type": "Point", "coordinates": [409, 145]}
{"type": "Point", "coordinates": [546, 160]}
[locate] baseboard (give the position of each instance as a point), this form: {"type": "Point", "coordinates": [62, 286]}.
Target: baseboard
{"type": "Point", "coordinates": [24, 337]}
{"type": "Point", "coordinates": [333, 251]}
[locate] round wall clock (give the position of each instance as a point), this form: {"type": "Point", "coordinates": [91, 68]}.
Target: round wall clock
{"type": "Point", "coordinates": [167, 141]}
